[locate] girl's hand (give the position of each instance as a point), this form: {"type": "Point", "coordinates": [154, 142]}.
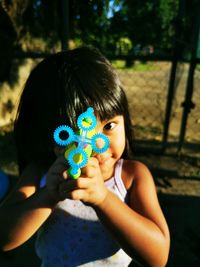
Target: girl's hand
{"type": "Point", "coordinates": [55, 176]}
{"type": "Point", "coordinates": [89, 187]}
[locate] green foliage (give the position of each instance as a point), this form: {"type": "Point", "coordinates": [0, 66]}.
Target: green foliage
{"type": "Point", "coordinates": [137, 66]}
{"type": "Point", "coordinates": [151, 22]}
{"type": "Point", "coordinates": [123, 46]}
{"type": "Point", "coordinates": [168, 11]}
{"type": "Point", "coordinates": [106, 24]}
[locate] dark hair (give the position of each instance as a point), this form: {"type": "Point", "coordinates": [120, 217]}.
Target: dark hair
{"type": "Point", "coordinates": [60, 88]}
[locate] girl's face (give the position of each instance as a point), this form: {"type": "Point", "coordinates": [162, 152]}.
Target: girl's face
{"type": "Point", "coordinates": [114, 129]}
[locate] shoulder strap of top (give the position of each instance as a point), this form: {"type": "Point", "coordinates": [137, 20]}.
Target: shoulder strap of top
{"type": "Point", "coordinates": [118, 178]}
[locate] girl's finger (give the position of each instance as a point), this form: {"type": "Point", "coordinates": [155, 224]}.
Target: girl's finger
{"type": "Point", "coordinates": [88, 171]}
{"type": "Point", "coordinates": [59, 166]}
{"type": "Point", "coordinates": [65, 175]}
{"type": "Point", "coordinates": [69, 185]}
{"type": "Point", "coordinates": [93, 162]}
{"type": "Point", "coordinates": [79, 194]}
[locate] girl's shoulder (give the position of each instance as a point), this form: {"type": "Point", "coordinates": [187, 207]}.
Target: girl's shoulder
{"type": "Point", "coordinates": [141, 188]}
{"type": "Point", "coordinates": [134, 172]}
{"type": "Point", "coordinates": [27, 184]}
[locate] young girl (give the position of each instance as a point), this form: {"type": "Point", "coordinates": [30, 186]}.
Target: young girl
{"type": "Point", "coordinates": [111, 212]}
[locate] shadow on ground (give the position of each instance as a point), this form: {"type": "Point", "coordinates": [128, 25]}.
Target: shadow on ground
{"type": "Point", "coordinates": [183, 217]}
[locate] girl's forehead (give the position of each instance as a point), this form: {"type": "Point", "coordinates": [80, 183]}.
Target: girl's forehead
{"type": "Point", "coordinates": [115, 118]}
{"type": "Point", "coordinates": [105, 116]}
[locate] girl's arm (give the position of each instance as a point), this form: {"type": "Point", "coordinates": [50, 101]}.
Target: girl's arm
{"type": "Point", "coordinates": [141, 226]}
{"type": "Point", "coordinates": [138, 227]}
{"type": "Point", "coordinates": [26, 208]}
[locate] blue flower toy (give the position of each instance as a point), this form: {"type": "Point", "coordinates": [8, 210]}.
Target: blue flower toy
{"type": "Point", "coordinates": [79, 146]}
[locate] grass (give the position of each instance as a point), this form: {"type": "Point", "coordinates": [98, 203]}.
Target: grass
{"type": "Point", "coordinates": [137, 65]}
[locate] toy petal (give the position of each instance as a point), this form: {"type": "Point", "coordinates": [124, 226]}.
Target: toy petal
{"type": "Point", "coordinates": [87, 116]}
{"type": "Point", "coordinates": [68, 140]}
{"type": "Point", "coordinates": [104, 139]}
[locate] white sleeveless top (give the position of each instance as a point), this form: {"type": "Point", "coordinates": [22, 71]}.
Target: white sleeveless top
{"type": "Point", "coordinates": [74, 236]}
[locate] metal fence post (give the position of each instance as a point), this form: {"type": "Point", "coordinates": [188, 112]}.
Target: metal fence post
{"type": "Point", "coordinates": [177, 53]}
{"type": "Point", "coordinates": [169, 103]}
{"type": "Point", "coordinates": [188, 104]}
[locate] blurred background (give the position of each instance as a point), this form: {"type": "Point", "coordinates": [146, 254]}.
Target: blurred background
{"type": "Point", "coordinates": [154, 45]}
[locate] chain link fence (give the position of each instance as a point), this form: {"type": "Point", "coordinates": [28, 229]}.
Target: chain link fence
{"type": "Point", "coordinates": [147, 93]}
{"type": "Point", "coordinates": [146, 85]}
{"type": "Point", "coordinates": [193, 124]}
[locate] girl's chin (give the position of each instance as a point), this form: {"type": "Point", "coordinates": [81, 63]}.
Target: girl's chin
{"type": "Point", "coordinates": [107, 170]}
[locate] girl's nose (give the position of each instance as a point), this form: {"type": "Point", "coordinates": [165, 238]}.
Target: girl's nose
{"type": "Point", "coordinates": [101, 157]}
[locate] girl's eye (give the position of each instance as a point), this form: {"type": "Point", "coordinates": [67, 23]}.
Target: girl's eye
{"type": "Point", "coordinates": [109, 126]}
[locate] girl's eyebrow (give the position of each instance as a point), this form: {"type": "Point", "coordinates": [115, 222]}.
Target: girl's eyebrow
{"type": "Point", "coordinates": [107, 120]}
{"type": "Point", "coordinates": [113, 118]}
